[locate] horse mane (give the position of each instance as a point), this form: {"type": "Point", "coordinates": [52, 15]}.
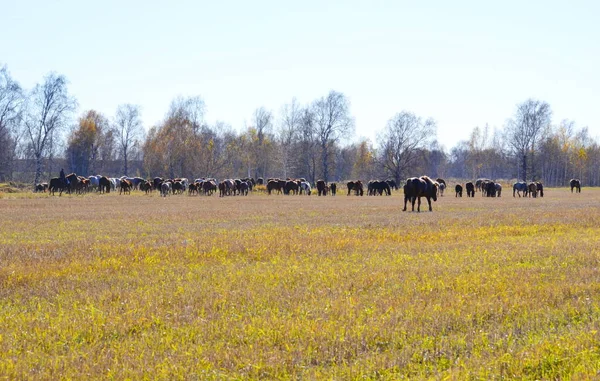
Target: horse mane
{"type": "Point", "coordinates": [427, 180]}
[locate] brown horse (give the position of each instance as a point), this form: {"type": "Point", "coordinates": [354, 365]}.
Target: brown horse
{"type": "Point", "coordinates": [458, 189]}
{"type": "Point", "coordinates": [126, 186]}
{"type": "Point", "coordinates": [356, 186]}
{"type": "Point", "coordinates": [575, 184]}
{"type": "Point", "coordinates": [532, 190]}
{"type": "Point", "coordinates": [417, 187]}
{"type": "Point", "coordinates": [321, 188]}
{"type": "Point", "coordinates": [470, 189]}
{"type": "Point", "coordinates": [69, 185]}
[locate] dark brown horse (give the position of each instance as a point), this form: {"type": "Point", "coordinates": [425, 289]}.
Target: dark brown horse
{"type": "Point", "coordinates": [356, 186]}
{"type": "Point", "coordinates": [575, 184]}
{"type": "Point", "coordinates": [458, 189]}
{"type": "Point", "coordinates": [417, 187]}
{"type": "Point", "coordinates": [532, 190]}
{"type": "Point", "coordinates": [321, 188]}
{"type": "Point", "coordinates": [470, 189]}
{"type": "Point", "coordinates": [69, 185]}
{"type": "Point", "coordinates": [126, 186]}
{"type": "Point", "coordinates": [104, 185]}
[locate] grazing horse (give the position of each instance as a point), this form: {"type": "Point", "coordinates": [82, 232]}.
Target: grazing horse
{"type": "Point", "coordinates": [377, 187]}
{"type": "Point", "coordinates": [104, 184]}
{"type": "Point", "coordinates": [470, 189]}
{"type": "Point", "coordinates": [306, 187]}
{"type": "Point", "coordinates": [442, 187]}
{"type": "Point", "coordinates": [518, 187]}
{"type": "Point", "coordinates": [209, 186]}
{"type": "Point", "coordinates": [291, 187]}
{"type": "Point", "coordinates": [41, 187]}
{"type": "Point", "coordinates": [356, 186]}
{"type": "Point", "coordinates": [126, 186]}
{"type": "Point", "coordinates": [498, 189]}
{"type": "Point", "coordinates": [479, 183]}
{"type": "Point", "coordinates": [165, 188]}
{"type": "Point", "coordinates": [333, 187]}
{"type": "Point", "coordinates": [321, 188]}
{"type": "Point", "coordinates": [540, 188]}
{"type": "Point", "coordinates": [243, 188]}
{"type": "Point", "coordinates": [392, 184]}
{"type": "Point", "coordinates": [532, 189]}
{"type": "Point", "coordinates": [417, 187]}
{"type": "Point", "coordinates": [458, 189]}
{"type": "Point", "coordinates": [575, 184]}
{"type": "Point", "coordinates": [146, 186]}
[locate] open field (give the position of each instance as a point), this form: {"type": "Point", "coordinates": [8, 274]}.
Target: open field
{"type": "Point", "coordinates": [297, 287]}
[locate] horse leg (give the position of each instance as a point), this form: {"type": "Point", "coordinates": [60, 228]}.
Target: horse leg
{"type": "Point", "coordinates": [419, 204]}
{"type": "Point", "coordinates": [429, 202]}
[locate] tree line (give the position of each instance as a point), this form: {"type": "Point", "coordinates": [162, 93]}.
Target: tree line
{"type": "Point", "coordinates": [40, 133]}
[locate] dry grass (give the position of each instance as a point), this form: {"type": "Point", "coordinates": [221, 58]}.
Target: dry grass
{"type": "Point", "coordinates": [289, 287]}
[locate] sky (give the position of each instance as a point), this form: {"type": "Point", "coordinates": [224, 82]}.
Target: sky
{"type": "Point", "coordinates": [462, 63]}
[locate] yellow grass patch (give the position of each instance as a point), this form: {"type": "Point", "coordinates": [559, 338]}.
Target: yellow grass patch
{"type": "Point", "coordinates": [286, 287]}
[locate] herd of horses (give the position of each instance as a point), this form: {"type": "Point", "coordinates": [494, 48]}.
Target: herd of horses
{"type": "Point", "coordinates": [414, 189]}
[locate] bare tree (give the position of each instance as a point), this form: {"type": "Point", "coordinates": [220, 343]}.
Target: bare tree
{"type": "Point", "coordinates": [289, 125]}
{"type": "Point", "coordinates": [332, 122]}
{"type": "Point", "coordinates": [129, 130]}
{"type": "Point", "coordinates": [308, 144]}
{"type": "Point", "coordinates": [524, 131]}
{"type": "Point", "coordinates": [48, 111]}
{"type": "Point", "coordinates": [263, 123]}
{"type": "Point", "coordinates": [402, 139]}
{"type": "Point", "coordinates": [190, 109]}
{"type": "Point", "coordinates": [11, 101]}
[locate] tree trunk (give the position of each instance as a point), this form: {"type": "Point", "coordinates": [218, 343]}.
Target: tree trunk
{"type": "Point", "coordinates": [524, 167]}
{"type": "Point", "coordinates": [38, 169]}
{"type": "Point", "coordinates": [125, 163]}
{"type": "Point", "coordinates": [325, 160]}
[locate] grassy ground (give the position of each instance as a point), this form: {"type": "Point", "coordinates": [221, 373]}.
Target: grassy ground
{"type": "Point", "coordinates": [291, 287]}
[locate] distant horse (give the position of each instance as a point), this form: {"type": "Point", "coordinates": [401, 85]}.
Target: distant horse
{"type": "Point", "coordinates": [532, 190]}
{"type": "Point", "coordinates": [321, 188]}
{"type": "Point", "coordinates": [306, 187]}
{"type": "Point", "coordinates": [520, 186]}
{"type": "Point", "coordinates": [377, 187]}
{"type": "Point", "coordinates": [356, 186]}
{"type": "Point", "coordinates": [540, 188]}
{"type": "Point", "coordinates": [104, 184]}
{"type": "Point", "coordinates": [442, 187]}
{"type": "Point", "coordinates": [417, 187]}
{"type": "Point", "coordinates": [470, 189]}
{"type": "Point", "coordinates": [56, 183]}
{"type": "Point", "coordinates": [575, 184]}
{"type": "Point", "coordinates": [458, 189]}
{"type": "Point", "coordinates": [333, 187]}
{"type": "Point", "coordinates": [126, 186]}
{"type": "Point", "coordinates": [165, 188]}
{"type": "Point", "coordinates": [498, 189]}
{"type": "Point", "coordinates": [43, 187]}
{"type": "Point", "coordinates": [392, 184]}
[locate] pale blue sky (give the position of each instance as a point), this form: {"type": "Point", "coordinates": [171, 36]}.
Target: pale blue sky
{"type": "Point", "coordinates": [464, 63]}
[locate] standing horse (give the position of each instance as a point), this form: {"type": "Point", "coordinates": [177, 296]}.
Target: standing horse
{"type": "Point", "coordinates": [417, 187]}
{"type": "Point", "coordinates": [532, 190]}
{"type": "Point", "coordinates": [575, 184]}
{"type": "Point", "coordinates": [518, 187]}
{"type": "Point", "coordinates": [470, 189]}
{"type": "Point", "coordinates": [458, 189]}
